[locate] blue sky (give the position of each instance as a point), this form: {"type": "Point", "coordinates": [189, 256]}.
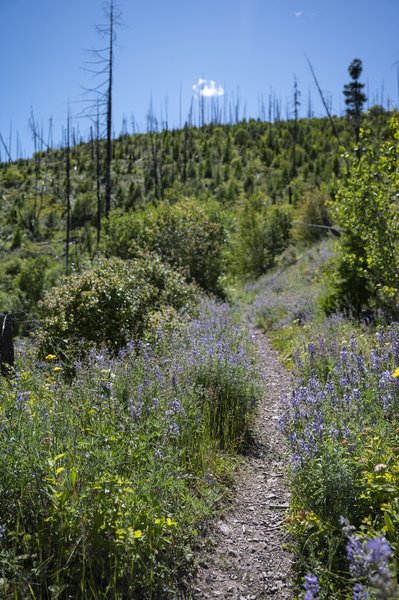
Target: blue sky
{"type": "Point", "coordinates": [167, 45]}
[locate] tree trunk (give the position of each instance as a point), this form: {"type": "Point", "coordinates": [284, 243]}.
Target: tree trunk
{"type": "Point", "coordinates": [6, 344]}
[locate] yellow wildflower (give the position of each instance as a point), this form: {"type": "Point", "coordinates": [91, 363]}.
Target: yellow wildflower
{"type": "Point", "coordinates": [396, 373]}
{"type": "Point", "coordinates": [57, 369]}
{"type": "Point", "coordinates": [51, 357]}
{"type": "Point", "coordinates": [137, 534]}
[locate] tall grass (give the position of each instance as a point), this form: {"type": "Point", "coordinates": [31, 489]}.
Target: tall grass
{"type": "Point", "coordinates": [105, 480]}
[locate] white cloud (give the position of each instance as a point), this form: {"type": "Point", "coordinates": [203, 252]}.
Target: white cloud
{"type": "Point", "coordinates": [207, 88]}
{"type": "Point", "coordinates": [298, 13]}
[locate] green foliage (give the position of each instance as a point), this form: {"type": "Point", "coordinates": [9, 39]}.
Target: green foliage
{"type": "Point", "coordinates": [84, 210]}
{"type": "Point", "coordinates": [263, 233]}
{"type": "Point", "coordinates": [105, 480]}
{"type": "Point", "coordinates": [342, 424]}
{"type": "Point", "coordinates": [108, 305]}
{"type": "Point", "coordinates": [225, 165]}
{"type": "Point", "coordinates": [187, 235]}
{"type": "Point", "coordinates": [312, 216]}
{"type": "Point", "coordinates": [24, 280]}
{"type": "Point", "coordinates": [354, 96]}
{"type": "Point", "coordinates": [366, 206]}
{"type": "Point", "coordinates": [13, 177]}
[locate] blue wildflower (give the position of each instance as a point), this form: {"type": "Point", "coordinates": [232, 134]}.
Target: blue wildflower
{"type": "Point", "coordinates": [311, 586]}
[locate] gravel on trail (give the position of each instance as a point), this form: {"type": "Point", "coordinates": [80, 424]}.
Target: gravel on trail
{"type": "Point", "coordinates": [244, 556]}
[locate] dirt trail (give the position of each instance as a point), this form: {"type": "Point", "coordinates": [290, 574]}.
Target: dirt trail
{"type": "Point", "coordinates": [246, 559]}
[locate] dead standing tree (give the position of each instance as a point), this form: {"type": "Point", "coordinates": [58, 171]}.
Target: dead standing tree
{"type": "Point", "coordinates": [295, 128]}
{"type": "Point", "coordinates": [68, 190]}
{"type": "Point", "coordinates": [6, 344]}
{"type": "Point", "coordinates": [99, 99]}
{"type": "Point", "coordinates": [327, 109]}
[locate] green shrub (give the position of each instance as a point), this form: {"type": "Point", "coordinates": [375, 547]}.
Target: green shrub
{"type": "Point", "coordinates": [186, 235]}
{"type": "Point", "coordinates": [313, 216]}
{"type": "Point", "coordinates": [109, 304]}
{"type": "Point", "coordinates": [84, 209]}
{"type": "Point", "coordinates": [263, 233]}
{"type": "Point", "coordinates": [367, 209]}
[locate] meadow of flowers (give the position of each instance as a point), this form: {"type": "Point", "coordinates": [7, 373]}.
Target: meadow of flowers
{"type": "Point", "coordinates": [105, 479]}
{"type": "Point", "coordinates": [285, 299]}
{"type": "Point", "coordinates": [342, 424]}
{"type": "Point", "coordinates": [342, 428]}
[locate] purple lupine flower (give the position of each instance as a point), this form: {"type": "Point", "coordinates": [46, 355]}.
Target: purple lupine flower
{"type": "Point", "coordinates": [378, 550]}
{"type": "Point", "coordinates": [177, 408]}
{"type": "Point", "coordinates": [360, 592]}
{"type": "Point", "coordinates": [21, 398]}
{"type": "Point", "coordinates": [375, 360]}
{"type": "Point", "coordinates": [136, 409]}
{"type": "Point", "coordinates": [369, 560]}
{"type": "Point", "coordinates": [174, 429]}
{"type": "Point", "coordinates": [311, 586]}
{"type": "Point", "coordinates": [311, 351]}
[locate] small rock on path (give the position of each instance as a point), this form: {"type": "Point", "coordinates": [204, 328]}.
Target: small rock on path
{"type": "Point", "coordinates": [247, 559]}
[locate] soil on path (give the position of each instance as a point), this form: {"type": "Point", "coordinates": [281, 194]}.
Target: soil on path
{"type": "Point", "coordinates": [246, 559]}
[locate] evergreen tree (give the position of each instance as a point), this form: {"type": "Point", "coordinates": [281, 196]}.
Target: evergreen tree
{"type": "Point", "coordinates": [355, 98]}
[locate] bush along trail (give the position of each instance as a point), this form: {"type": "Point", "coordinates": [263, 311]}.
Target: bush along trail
{"type": "Point", "coordinates": [244, 555]}
{"type": "Point", "coordinates": [107, 474]}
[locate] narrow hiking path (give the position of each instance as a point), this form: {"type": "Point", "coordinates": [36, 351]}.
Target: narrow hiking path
{"type": "Point", "coordinates": [246, 559]}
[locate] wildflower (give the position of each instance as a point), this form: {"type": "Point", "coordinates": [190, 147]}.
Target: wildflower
{"type": "Point", "coordinates": [57, 369]}
{"type": "Point", "coordinates": [369, 560]}
{"type": "Point", "coordinates": [174, 429]}
{"type": "Point", "coordinates": [177, 407]}
{"type": "Point", "coordinates": [396, 373]}
{"type": "Point", "coordinates": [136, 409]}
{"type": "Point", "coordinates": [50, 357]}
{"type": "Point", "coordinates": [311, 586]}
{"type": "Point", "coordinates": [380, 467]}
{"type": "Point", "coordinates": [360, 592]}
{"type": "Point", "coordinates": [137, 534]}
{"type": "Point", "coordinates": [21, 398]}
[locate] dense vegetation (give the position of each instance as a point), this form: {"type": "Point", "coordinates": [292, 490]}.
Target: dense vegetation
{"type": "Point", "coordinates": [120, 423]}
{"type": "Point", "coordinates": [104, 480]}
{"type": "Point", "coordinates": [232, 176]}
{"type": "Point", "coordinates": [342, 421]}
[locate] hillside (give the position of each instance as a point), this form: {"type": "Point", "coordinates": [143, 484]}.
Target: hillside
{"type": "Point", "coordinates": [243, 169]}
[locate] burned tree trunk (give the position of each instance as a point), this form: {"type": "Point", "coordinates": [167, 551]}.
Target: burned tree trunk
{"type": "Point", "coordinates": [6, 344]}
